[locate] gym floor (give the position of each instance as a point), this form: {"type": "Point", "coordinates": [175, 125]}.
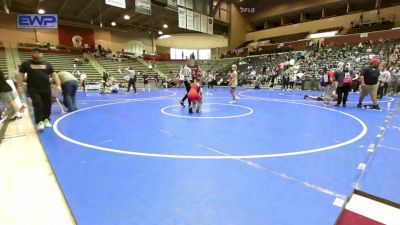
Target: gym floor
{"type": "Point", "coordinates": [273, 158]}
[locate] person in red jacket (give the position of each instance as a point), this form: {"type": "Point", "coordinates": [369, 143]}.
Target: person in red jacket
{"type": "Point", "coordinates": [195, 96]}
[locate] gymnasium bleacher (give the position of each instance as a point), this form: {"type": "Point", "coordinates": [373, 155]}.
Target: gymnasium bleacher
{"type": "Point", "coordinates": [166, 67]}
{"type": "Point", "coordinates": [286, 38]}
{"type": "Point", "coordinates": [339, 29]}
{"type": "Point", "coordinates": [369, 27]}
{"type": "Point", "coordinates": [216, 66]}
{"type": "Point", "coordinates": [3, 62]}
{"type": "Point", "coordinates": [112, 67]}
{"type": "Point", "coordinates": [357, 56]}
{"type": "Point", "coordinates": [64, 62]}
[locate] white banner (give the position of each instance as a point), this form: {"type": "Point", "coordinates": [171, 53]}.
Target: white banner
{"type": "Point", "coordinates": [172, 3]}
{"type": "Point", "coordinates": [203, 23]}
{"type": "Point", "coordinates": [181, 17]}
{"type": "Point", "coordinates": [189, 4]}
{"type": "Point", "coordinates": [117, 3]}
{"type": "Point", "coordinates": [189, 20]}
{"type": "Point", "coordinates": [196, 21]}
{"type": "Point", "coordinates": [210, 25]}
{"type": "Point", "coordinates": [181, 3]}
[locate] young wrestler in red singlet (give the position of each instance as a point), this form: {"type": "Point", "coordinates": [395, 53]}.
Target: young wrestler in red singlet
{"type": "Point", "coordinates": [195, 95]}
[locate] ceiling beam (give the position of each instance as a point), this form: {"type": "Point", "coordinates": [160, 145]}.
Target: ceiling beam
{"type": "Point", "coordinates": [86, 8]}
{"type": "Point", "coordinates": [129, 11]}
{"type": "Point", "coordinates": [215, 9]}
{"type": "Point", "coordinates": [102, 13]}
{"type": "Point", "coordinates": [152, 19]}
{"type": "Point", "coordinates": [142, 28]}
{"type": "Point", "coordinates": [62, 7]}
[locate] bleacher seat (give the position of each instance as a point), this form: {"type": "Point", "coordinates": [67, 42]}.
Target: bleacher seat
{"type": "Point", "coordinates": [3, 62]}
{"type": "Point", "coordinates": [371, 27]}
{"type": "Point", "coordinates": [65, 62]}
{"type": "Point", "coordinates": [112, 66]}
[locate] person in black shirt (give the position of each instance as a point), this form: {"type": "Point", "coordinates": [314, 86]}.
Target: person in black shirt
{"type": "Point", "coordinates": [345, 79]}
{"type": "Point", "coordinates": [106, 77]}
{"type": "Point", "coordinates": [369, 83]}
{"type": "Point", "coordinates": [146, 81]}
{"type": "Point", "coordinates": [38, 85]}
{"type": "Point", "coordinates": [285, 81]}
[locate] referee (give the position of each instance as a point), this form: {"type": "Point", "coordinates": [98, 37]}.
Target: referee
{"type": "Point", "coordinates": [186, 72]}
{"type": "Point", "coordinates": [38, 85]}
{"type": "Point", "coordinates": [130, 73]}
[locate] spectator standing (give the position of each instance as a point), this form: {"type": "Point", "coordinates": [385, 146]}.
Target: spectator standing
{"type": "Point", "coordinates": [38, 85]}
{"type": "Point", "coordinates": [82, 79]}
{"type": "Point", "coordinates": [233, 82]}
{"type": "Point", "coordinates": [292, 80]}
{"type": "Point", "coordinates": [285, 81]}
{"type": "Point", "coordinates": [146, 78]}
{"type": "Point", "coordinates": [395, 80]}
{"type": "Point", "coordinates": [384, 79]}
{"type": "Point", "coordinates": [210, 82]}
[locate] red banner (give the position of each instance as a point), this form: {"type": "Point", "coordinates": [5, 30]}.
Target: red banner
{"type": "Point", "coordinates": [76, 37]}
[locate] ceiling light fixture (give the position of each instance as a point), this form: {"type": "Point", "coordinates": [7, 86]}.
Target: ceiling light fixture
{"type": "Point", "coordinates": [160, 32]}
{"type": "Point", "coordinates": [165, 26]}
{"type": "Point", "coordinates": [41, 11]}
{"type": "Point", "coordinates": [127, 17]}
{"type": "Point", "coordinates": [113, 24]}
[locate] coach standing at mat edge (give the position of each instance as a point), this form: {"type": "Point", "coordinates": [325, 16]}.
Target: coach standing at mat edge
{"type": "Point", "coordinates": [69, 85]}
{"type": "Point", "coordinates": [38, 86]}
{"type": "Point", "coordinates": [369, 83]}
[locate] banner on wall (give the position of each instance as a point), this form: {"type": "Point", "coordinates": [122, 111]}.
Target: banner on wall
{"type": "Point", "coordinates": [203, 23]}
{"type": "Point", "coordinates": [143, 6]}
{"type": "Point", "coordinates": [196, 21]}
{"type": "Point", "coordinates": [189, 4]}
{"type": "Point", "coordinates": [117, 3]}
{"type": "Point", "coordinates": [189, 20]}
{"type": "Point", "coordinates": [182, 17]}
{"type": "Point", "coordinates": [210, 25]}
{"type": "Point", "coordinates": [172, 3]}
{"type": "Point", "coordinates": [37, 21]}
{"type": "Point", "coordinates": [75, 37]}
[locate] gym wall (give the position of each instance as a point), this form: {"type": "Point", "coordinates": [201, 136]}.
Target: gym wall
{"type": "Point", "coordinates": [115, 40]}
{"type": "Point", "coordinates": [313, 26]}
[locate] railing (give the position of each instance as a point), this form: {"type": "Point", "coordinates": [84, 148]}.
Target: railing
{"type": "Point", "coordinates": [161, 74]}
{"type": "Point", "coordinates": [95, 63]}
{"type": "Point", "coordinates": [12, 58]}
